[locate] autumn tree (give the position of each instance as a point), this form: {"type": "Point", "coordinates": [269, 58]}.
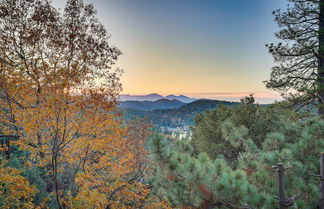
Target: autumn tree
{"type": "Point", "coordinates": [15, 190]}
{"type": "Point", "coordinates": [300, 56]}
{"type": "Point", "coordinates": [42, 49]}
{"type": "Point", "coordinates": [48, 59]}
{"type": "Point", "coordinates": [58, 106]}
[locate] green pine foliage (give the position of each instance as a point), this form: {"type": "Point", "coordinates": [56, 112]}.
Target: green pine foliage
{"type": "Point", "coordinates": [255, 138]}
{"type": "Point", "coordinates": [214, 133]}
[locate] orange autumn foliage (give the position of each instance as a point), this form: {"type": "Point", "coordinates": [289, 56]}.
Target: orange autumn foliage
{"type": "Point", "coordinates": [58, 94]}
{"type": "Point", "coordinates": [15, 190]}
{"type": "Point", "coordinates": [81, 137]}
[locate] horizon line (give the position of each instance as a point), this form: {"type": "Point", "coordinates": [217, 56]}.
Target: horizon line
{"type": "Point", "coordinates": [262, 97]}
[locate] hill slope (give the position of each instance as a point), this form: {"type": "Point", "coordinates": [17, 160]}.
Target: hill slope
{"type": "Point", "coordinates": [176, 117]}
{"type": "Point", "coordinates": [149, 105]}
{"type": "Point", "coordinates": [148, 97]}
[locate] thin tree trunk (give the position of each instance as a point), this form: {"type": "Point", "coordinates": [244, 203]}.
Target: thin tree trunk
{"type": "Point", "coordinates": [55, 179]}
{"type": "Point", "coordinates": [321, 60]}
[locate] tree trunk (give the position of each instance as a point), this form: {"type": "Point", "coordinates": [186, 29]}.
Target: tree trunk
{"type": "Point", "coordinates": [321, 60]}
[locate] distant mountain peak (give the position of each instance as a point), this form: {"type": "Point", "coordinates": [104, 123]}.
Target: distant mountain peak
{"type": "Point", "coordinates": [153, 94]}
{"type": "Point", "coordinates": [154, 97]}
{"type": "Point", "coordinates": [181, 98]}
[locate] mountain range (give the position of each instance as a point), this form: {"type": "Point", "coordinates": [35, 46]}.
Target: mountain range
{"type": "Point", "coordinates": [155, 97]}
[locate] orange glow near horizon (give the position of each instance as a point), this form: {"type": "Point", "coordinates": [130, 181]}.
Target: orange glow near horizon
{"type": "Point", "coordinates": [190, 47]}
{"type": "Point", "coordinates": [263, 97]}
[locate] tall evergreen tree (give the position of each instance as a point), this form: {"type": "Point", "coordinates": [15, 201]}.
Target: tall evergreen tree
{"type": "Point", "coordinates": [300, 57]}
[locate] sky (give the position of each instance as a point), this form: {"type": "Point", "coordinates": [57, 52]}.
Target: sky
{"type": "Point", "coordinates": [201, 48]}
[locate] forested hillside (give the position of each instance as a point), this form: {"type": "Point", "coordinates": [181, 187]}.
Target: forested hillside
{"type": "Point", "coordinates": [149, 106]}
{"type": "Point", "coordinates": [175, 117]}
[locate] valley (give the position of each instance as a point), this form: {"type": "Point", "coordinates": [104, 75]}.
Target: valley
{"type": "Point", "coordinates": [171, 117]}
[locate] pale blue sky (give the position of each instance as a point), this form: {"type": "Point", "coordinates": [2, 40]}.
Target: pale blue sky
{"type": "Point", "coordinates": [206, 48]}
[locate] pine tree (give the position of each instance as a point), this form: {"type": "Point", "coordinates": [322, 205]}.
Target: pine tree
{"type": "Point", "coordinates": [252, 120]}
{"type": "Point", "coordinates": [299, 72]}
{"type": "Point", "coordinates": [193, 180]}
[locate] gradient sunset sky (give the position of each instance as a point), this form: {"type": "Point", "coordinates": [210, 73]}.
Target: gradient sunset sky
{"type": "Point", "coordinates": [200, 48]}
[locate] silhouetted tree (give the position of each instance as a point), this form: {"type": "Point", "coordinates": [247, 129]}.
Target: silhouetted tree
{"type": "Point", "coordinates": [299, 73]}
